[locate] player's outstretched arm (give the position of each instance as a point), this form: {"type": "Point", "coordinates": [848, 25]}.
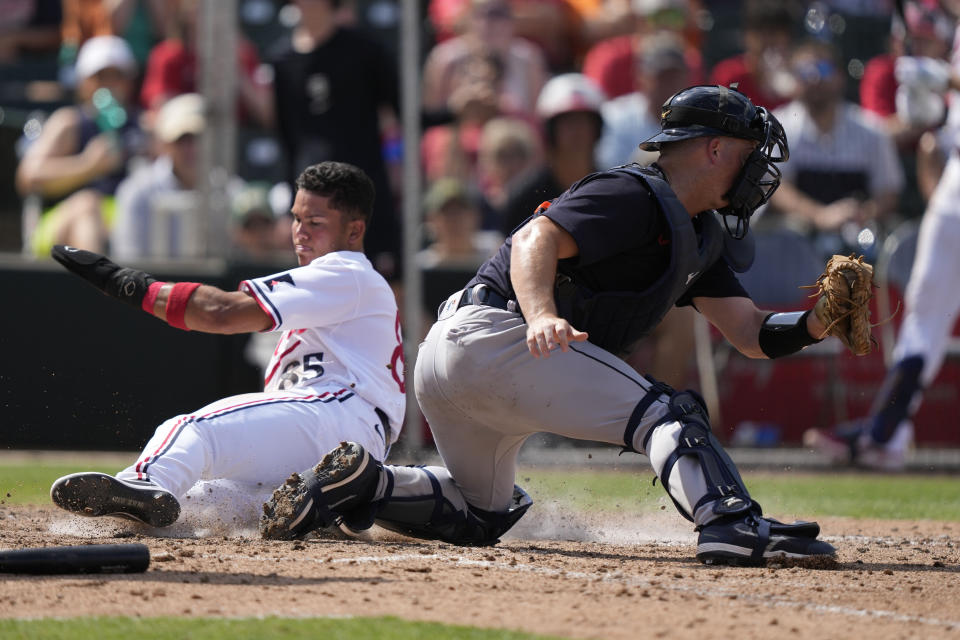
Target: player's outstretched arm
{"type": "Point", "coordinates": [738, 319]}
{"type": "Point", "coordinates": [184, 305]}
{"type": "Point", "coordinates": [761, 334]}
{"type": "Point", "coordinates": [213, 310]}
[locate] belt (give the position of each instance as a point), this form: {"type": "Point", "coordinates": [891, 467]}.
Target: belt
{"type": "Point", "coordinates": [483, 295]}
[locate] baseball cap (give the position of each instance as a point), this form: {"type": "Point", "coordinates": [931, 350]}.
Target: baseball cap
{"type": "Point", "coordinates": [569, 92]}
{"type": "Point", "coordinates": [662, 53]}
{"type": "Point", "coordinates": [179, 116]}
{"type": "Point", "coordinates": [444, 191]}
{"type": "Point", "coordinates": [253, 200]}
{"type": "Point", "coordinates": [102, 52]}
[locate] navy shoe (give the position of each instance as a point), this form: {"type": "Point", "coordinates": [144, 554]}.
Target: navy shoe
{"type": "Point", "coordinates": [344, 481]}
{"type": "Point", "coordinates": [751, 540]}
{"type": "Point", "coordinates": [98, 494]}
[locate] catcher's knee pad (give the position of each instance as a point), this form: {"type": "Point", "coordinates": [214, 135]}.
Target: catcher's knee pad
{"type": "Point", "coordinates": [424, 502]}
{"type": "Point", "coordinates": [646, 415]}
{"type": "Point", "coordinates": [693, 467]}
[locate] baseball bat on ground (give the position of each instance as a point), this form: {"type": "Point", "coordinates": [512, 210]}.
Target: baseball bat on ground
{"type": "Point", "coordinates": [93, 558]}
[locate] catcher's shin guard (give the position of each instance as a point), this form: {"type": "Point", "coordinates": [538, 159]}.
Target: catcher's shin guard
{"type": "Point", "coordinates": [696, 472]}
{"type": "Point", "coordinates": [424, 502]}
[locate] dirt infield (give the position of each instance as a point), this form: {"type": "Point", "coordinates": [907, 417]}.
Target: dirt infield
{"type": "Point", "coordinates": [895, 580]}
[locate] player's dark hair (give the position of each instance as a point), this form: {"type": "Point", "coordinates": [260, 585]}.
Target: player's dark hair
{"type": "Point", "coordinates": [349, 189]}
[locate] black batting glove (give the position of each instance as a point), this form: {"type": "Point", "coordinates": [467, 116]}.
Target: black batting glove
{"type": "Point", "coordinates": [124, 284]}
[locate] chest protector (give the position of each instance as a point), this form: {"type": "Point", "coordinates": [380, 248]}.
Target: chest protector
{"type": "Point", "coordinates": [615, 320]}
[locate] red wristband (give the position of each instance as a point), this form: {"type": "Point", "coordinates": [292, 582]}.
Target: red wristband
{"type": "Point", "coordinates": [177, 303]}
{"type": "Point", "coordinates": [148, 300]}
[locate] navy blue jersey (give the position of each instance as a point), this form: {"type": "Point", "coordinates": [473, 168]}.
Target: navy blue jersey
{"type": "Point", "coordinates": [623, 240]}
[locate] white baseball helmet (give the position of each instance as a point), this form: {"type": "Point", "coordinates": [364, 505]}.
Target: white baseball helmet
{"type": "Point", "coordinates": [569, 92]}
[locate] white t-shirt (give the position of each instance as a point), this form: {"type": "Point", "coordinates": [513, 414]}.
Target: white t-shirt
{"type": "Point", "coordinates": [855, 144]}
{"type": "Point", "coordinates": [340, 326]}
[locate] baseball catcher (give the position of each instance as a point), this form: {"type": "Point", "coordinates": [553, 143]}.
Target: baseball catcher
{"type": "Point", "coordinates": [553, 313]}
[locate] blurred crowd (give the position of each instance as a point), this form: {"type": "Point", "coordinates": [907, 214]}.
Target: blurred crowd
{"type": "Point", "coordinates": [520, 98]}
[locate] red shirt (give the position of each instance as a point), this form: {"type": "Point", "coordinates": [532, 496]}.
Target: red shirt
{"type": "Point", "coordinates": [733, 70]}
{"type": "Point", "coordinates": [878, 87]}
{"type": "Point", "coordinates": [172, 70]}
{"type": "Point", "coordinates": [611, 64]}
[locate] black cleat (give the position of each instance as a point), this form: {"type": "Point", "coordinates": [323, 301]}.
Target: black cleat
{"type": "Point", "coordinates": [343, 481]}
{"type": "Point", "coordinates": [98, 494]}
{"type": "Point", "coordinates": [752, 540]}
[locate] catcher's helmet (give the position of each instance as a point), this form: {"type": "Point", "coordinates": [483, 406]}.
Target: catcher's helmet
{"type": "Point", "coordinates": [713, 110]}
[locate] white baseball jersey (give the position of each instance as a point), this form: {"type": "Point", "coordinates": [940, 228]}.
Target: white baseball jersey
{"type": "Point", "coordinates": [332, 313]}
{"type": "Point", "coordinates": [338, 362]}
{"type": "Point", "coordinates": [931, 299]}
{"type": "Point", "coordinates": [952, 126]}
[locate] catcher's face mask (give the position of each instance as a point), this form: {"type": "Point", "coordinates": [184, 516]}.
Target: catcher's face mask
{"type": "Point", "coordinates": [714, 110]}
{"type": "Point", "coordinates": [759, 177]}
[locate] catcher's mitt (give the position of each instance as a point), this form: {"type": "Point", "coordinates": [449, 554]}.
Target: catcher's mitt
{"type": "Point", "coordinates": [845, 288]}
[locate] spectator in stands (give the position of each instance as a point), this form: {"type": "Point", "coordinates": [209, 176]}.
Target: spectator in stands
{"type": "Point", "coordinates": [157, 207]}
{"type": "Point", "coordinates": [615, 64]}
{"type": "Point", "coordinates": [335, 93]}
{"type": "Point", "coordinates": [155, 203]}
{"type": "Point", "coordinates": [843, 176]}
{"type": "Point", "coordinates": [569, 106]}
{"type": "Point", "coordinates": [489, 30]}
{"type": "Point", "coordinates": [509, 149]}
{"type": "Point", "coordinates": [452, 149]}
{"type": "Point", "coordinates": [632, 118]}
{"type": "Point", "coordinates": [453, 228]}
{"type": "Point", "coordinates": [457, 246]}
{"type": "Point", "coordinates": [554, 27]}
{"type": "Point", "coordinates": [761, 71]}
{"type": "Point", "coordinates": [142, 23]}
{"type": "Point", "coordinates": [603, 19]}
{"type": "Point", "coordinates": [82, 152]}
{"type": "Point", "coordinates": [172, 69]}
{"type": "Point", "coordinates": [258, 233]}
{"type": "Point", "coordinates": [29, 27]}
